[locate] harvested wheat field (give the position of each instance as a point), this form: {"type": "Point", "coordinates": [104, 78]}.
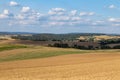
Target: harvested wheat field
{"type": "Point", "coordinates": [96, 65]}
{"type": "Point", "coordinates": [27, 62]}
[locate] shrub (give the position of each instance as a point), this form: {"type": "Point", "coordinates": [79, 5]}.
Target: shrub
{"type": "Point", "coordinates": [116, 47]}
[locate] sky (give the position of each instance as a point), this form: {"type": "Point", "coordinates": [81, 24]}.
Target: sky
{"type": "Point", "coordinates": [60, 16]}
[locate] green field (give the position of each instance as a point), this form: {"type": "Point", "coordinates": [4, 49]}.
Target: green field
{"type": "Point", "coordinates": [22, 52]}
{"type": "Point", "coordinates": [10, 47]}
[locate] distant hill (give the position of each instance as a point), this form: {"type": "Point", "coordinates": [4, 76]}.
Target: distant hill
{"type": "Point", "coordinates": [82, 34]}
{"type": "Point", "coordinates": [50, 36]}
{"type": "Point", "coordinates": [15, 33]}
{"type": "Point", "coordinates": [55, 37]}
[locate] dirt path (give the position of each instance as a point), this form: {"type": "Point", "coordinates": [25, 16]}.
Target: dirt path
{"type": "Point", "coordinates": [68, 67]}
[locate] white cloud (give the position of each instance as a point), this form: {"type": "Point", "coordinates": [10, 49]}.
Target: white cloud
{"type": "Point", "coordinates": [75, 18]}
{"type": "Point", "coordinates": [60, 18]}
{"type": "Point", "coordinates": [83, 13]}
{"type": "Point", "coordinates": [31, 18]}
{"type": "Point", "coordinates": [91, 13]}
{"type": "Point", "coordinates": [13, 3]}
{"type": "Point", "coordinates": [25, 9]}
{"type": "Point", "coordinates": [87, 13]}
{"type": "Point", "coordinates": [112, 6]}
{"type": "Point", "coordinates": [54, 17]}
{"type": "Point", "coordinates": [2, 16]}
{"type": "Point", "coordinates": [6, 14]}
{"type": "Point", "coordinates": [56, 11]}
{"type": "Point", "coordinates": [32, 15]}
{"type": "Point", "coordinates": [56, 23]}
{"type": "Point", "coordinates": [98, 23]}
{"type": "Point", "coordinates": [116, 20]}
{"type": "Point", "coordinates": [116, 24]}
{"type": "Point", "coordinates": [73, 12]}
{"type": "Point", "coordinates": [20, 16]}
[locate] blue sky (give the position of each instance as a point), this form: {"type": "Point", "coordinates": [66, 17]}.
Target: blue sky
{"type": "Point", "coordinates": [60, 16]}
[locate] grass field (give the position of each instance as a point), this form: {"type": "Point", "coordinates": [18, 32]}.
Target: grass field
{"type": "Point", "coordinates": [23, 62]}
{"type": "Point", "coordinates": [22, 52]}
{"type": "Point", "coordinates": [10, 47]}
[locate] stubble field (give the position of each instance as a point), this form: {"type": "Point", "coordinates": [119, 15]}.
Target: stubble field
{"type": "Point", "coordinates": [45, 63]}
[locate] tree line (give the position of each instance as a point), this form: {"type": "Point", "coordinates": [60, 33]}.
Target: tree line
{"type": "Point", "coordinates": [63, 40]}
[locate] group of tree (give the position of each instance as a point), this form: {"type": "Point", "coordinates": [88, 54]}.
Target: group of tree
{"type": "Point", "coordinates": [62, 38]}
{"type": "Point", "coordinates": [109, 41]}
{"type": "Point", "coordinates": [53, 37]}
{"type": "Point", "coordinates": [84, 47]}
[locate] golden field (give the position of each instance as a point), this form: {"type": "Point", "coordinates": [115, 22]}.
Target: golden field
{"type": "Point", "coordinates": [99, 37]}
{"type": "Point", "coordinates": [47, 63]}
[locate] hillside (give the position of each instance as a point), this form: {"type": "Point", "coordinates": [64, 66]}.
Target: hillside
{"type": "Point", "coordinates": [28, 62]}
